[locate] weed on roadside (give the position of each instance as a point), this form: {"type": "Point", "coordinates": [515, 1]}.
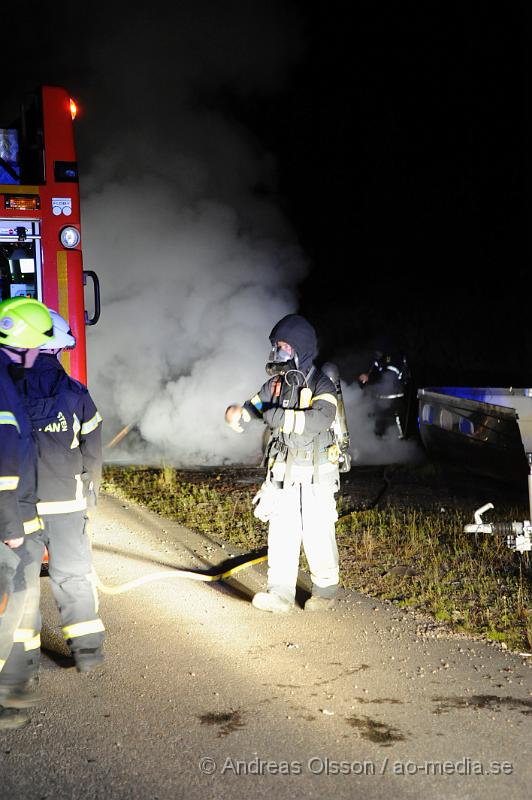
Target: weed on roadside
{"type": "Point", "coordinates": [416, 558]}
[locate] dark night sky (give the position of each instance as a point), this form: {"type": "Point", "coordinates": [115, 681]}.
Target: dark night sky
{"type": "Point", "coordinates": [401, 139]}
{"type": "Point", "coordinates": [405, 165]}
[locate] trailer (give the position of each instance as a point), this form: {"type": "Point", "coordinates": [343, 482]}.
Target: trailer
{"type": "Point", "coordinates": [487, 430]}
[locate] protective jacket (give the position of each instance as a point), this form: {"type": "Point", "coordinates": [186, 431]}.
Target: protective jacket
{"type": "Point", "coordinates": [299, 407]}
{"type": "Point", "coordinates": [18, 459]}
{"type": "Point", "coordinates": [389, 374]}
{"type": "Point", "coordinates": [68, 430]}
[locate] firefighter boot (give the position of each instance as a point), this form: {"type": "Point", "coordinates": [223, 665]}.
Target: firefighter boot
{"type": "Point", "coordinates": [88, 658]}
{"type": "Point", "coordinates": [21, 695]}
{"type": "Point", "coordinates": [11, 719]}
{"type": "Point", "coordinates": [269, 601]}
{"type": "Point", "coordinates": [322, 599]}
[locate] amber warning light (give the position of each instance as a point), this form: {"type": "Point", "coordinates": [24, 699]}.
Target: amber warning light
{"type": "Point", "coordinates": [22, 202]}
{"type": "Point", "coordinates": [73, 108]}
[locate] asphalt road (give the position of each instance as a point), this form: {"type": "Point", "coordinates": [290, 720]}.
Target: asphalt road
{"type": "Point", "coordinates": [202, 696]}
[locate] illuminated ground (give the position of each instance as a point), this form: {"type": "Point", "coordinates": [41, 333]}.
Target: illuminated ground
{"type": "Point", "coordinates": [194, 672]}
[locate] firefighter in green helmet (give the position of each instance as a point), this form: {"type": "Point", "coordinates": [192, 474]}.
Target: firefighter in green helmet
{"type": "Point", "coordinates": [25, 325]}
{"type": "Point", "coordinates": [68, 429]}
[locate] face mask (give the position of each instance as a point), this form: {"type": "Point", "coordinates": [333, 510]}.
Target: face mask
{"type": "Point", "coordinates": [281, 361]}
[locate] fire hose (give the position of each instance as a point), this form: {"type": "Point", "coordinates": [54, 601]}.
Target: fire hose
{"type": "Point", "coordinates": [190, 575]}
{"type": "Point", "coordinates": [174, 573]}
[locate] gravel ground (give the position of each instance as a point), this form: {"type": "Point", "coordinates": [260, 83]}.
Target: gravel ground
{"type": "Point", "coordinates": [203, 696]}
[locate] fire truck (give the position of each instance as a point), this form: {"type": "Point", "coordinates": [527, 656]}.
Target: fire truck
{"type": "Point", "coordinates": [40, 230]}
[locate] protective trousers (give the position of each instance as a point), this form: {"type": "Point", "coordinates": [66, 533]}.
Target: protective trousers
{"type": "Point", "coordinates": [9, 562]}
{"type": "Point", "coordinates": [301, 514]}
{"type": "Point", "coordinates": [388, 413]}
{"type": "Point", "coordinates": [9, 614]}
{"type": "Point", "coordinates": [70, 571]}
{"type": "Point", "coordinates": [21, 623]}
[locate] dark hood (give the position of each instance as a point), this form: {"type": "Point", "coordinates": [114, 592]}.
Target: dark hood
{"type": "Point", "coordinates": [42, 386]}
{"type": "Point", "coordinates": [300, 335]}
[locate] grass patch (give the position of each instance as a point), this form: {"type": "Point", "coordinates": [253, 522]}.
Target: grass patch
{"type": "Point", "coordinates": [419, 559]}
{"type": "Point", "coordinates": [217, 510]}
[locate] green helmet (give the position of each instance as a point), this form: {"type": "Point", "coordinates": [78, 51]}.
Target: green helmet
{"type": "Point", "coordinates": [25, 323]}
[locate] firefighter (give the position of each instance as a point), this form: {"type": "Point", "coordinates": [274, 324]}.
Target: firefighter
{"type": "Point", "coordinates": [24, 325]}
{"type": "Point", "coordinates": [298, 404]}
{"type": "Point", "coordinates": [388, 382]}
{"type": "Point", "coordinates": [68, 431]}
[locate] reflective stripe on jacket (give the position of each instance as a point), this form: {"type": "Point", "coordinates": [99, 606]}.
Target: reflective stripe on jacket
{"type": "Point", "coordinates": [18, 455]}
{"type": "Point", "coordinates": [68, 428]}
{"type": "Point", "coordinates": [300, 418]}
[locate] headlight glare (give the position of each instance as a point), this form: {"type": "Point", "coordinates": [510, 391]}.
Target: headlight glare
{"type": "Point", "coordinates": [70, 237]}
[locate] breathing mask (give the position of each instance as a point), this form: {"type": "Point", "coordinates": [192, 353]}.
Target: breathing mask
{"type": "Point", "coordinates": [282, 359]}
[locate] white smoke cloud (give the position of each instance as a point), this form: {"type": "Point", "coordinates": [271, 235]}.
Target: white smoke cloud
{"type": "Point", "coordinates": [189, 302]}
{"type": "Point", "coordinates": [195, 260]}
{"type": "Point", "coordinates": [366, 448]}
{"type": "Point", "coordinates": [182, 224]}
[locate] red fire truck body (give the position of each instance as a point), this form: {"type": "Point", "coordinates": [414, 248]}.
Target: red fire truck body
{"type": "Point", "coordinates": [40, 230]}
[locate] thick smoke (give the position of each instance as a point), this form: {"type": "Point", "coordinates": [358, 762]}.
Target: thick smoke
{"type": "Point", "coordinates": [366, 448]}
{"type": "Point", "coordinates": [181, 223]}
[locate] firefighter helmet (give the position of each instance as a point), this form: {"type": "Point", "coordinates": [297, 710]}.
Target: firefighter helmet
{"type": "Point", "coordinates": [25, 323]}
{"type": "Point", "coordinates": [63, 337]}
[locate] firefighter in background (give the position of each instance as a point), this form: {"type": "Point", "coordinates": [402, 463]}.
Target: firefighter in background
{"type": "Point", "coordinates": [297, 499]}
{"type": "Point", "coordinates": [24, 325]}
{"type": "Point", "coordinates": [68, 431]}
{"type": "Point", "coordinates": [387, 381]}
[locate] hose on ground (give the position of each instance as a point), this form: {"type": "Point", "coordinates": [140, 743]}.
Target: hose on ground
{"type": "Point", "coordinates": [386, 478]}
{"type": "Point", "coordinates": [174, 573]}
